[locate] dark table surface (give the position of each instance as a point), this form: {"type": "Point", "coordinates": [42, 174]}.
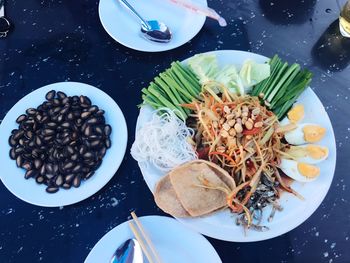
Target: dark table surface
{"type": "Point", "coordinates": [55, 40]}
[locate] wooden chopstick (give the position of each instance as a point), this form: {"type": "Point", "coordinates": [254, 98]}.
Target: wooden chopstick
{"type": "Point", "coordinates": [144, 234]}
{"type": "Point", "coordinates": [145, 237]}
{"type": "Point", "coordinates": [142, 244]}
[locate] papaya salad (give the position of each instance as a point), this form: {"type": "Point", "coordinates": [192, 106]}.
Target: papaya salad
{"type": "Point", "coordinates": [228, 138]}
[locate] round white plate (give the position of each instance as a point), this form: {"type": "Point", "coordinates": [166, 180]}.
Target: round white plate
{"type": "Point", "coordinates": [222, 225]}
{"type": "Point", "coordinates": [29, 190]}
{"type": "Point", "coordinates": [173, 242]}
{"type": "Point", "coordinates": [124, 27]}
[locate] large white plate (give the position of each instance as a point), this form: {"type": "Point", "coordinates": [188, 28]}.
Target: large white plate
{"type": "Point", "coordinates": [221, 225]}
{"type": "Point", "coordinates": [29, 190]}
{"type": "Point", "coordinates": [124, 27]}
{"type": "Point", "coordinates": [173, 241]}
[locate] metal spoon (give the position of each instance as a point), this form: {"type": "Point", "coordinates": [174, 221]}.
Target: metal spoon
{"type": "Point", "coordinates": [5, 24]}
{"type": "Point", "coordinates": [152, 30]}
{"type": "Point", "coordinates": [128, 252]}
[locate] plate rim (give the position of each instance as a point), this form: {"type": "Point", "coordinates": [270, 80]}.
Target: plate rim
{"type": "Point", "coordinates": [118, 161]}
{"type": "Point", "coordinates": [154, 218]}
{"type": "Point", "coordinates": [298, 221]}
{"type": "Point", "coordinates": [160, 48]}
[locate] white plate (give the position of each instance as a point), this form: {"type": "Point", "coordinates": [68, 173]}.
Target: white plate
{"type": "Point", "coordinates": [124, 27]}
{"type": "Point", "coordinates": [173, 241]}
{"type": "Point", "coordinates": [29, 190]}
{"type": "Point", "coordinates": [221, 225]}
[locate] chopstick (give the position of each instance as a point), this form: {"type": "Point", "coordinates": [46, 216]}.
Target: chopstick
{"type": "Point", "coordinates": [142, 237]}
{"type": "Point", "coordinates": [142, 244]}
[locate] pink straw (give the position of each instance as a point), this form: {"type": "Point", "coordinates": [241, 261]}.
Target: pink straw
{"type": "Point", "coordinates": [209, 12]}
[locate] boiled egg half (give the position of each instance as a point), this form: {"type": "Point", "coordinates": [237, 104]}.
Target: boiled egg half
{"type": "Point", "coordinates": [299, 171]}
{"type": "Point", "coordinates": [305, 133]}
{"type": "Point", "coordinates": [295, 115]}
{"type": "Point", "coordinates": [309, 153]}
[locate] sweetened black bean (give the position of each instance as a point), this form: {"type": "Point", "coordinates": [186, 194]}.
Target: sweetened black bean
{"type": "Point", "coordinates": [60, 142]}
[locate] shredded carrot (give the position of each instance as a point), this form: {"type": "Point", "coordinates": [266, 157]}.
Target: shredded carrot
{"type": "Point", "coordinates": [253, 131]}
{"type": "Point", "coordinates": [191, 106]}
{"type": "Point", "coordinates": [224, 155]}
{"type": "Point", "coordinates": [247, 155]}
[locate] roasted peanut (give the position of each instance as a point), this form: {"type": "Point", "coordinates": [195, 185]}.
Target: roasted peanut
{"type": "Point", "coordinates": [238, 113]}
{"type": "Point", "coordinates": [226, 126]}
{"type": "Point", "coordinates": [232, 142]}
{"type": "Point", "coordinates": [258, 124]}
{"type": "Point", "coordinates": [238, 128]}
{"type": "Point", "coordinates": [224, 133]}
{"type": "Point", "coordinates": [230, 116]}
{"type": "Point", "coordinates": [249, 125]}
{"type": "Point", "coordinates": [231, 123]}
{"type": "Point", "coordinates": [256, 111]}
{"type": "Point", "coordinates": [232, 132]}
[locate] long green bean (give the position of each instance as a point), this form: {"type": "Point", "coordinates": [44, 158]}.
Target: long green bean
{"type": "Point", "coordinates": [283, 86]}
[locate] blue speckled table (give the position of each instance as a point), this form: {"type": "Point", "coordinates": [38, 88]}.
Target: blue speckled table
{"type": "Point", "coordinates": [56, 40]}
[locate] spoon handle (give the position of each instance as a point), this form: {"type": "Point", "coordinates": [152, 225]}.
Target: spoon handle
{"type": "Point", "coordinates": [127, 5]}
{"type": "Point", "coordinates": [4, 22]}
{"type": "Point", "coordinates": [2, 8]}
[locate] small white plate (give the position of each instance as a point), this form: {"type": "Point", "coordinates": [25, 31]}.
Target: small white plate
{"type": "Point", "coordinates": [221, 225]}
{"type": "Point", "coordinates": [174, 242]}
{"type": "Point", "coordinates": [31, 192]}
{"type": "Point", "coordinates": [124, 27]}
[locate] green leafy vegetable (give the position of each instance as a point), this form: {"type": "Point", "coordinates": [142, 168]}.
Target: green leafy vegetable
{"type": "Point", "coordinates": [252, 73]}
{"type": "Point", "coordinates": [228, 76]}
{"type": "Point", "coordinates": [205, 67]}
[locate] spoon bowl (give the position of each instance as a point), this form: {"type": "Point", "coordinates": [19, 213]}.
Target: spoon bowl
{"type": "Point", "coordinates": [152, 30]}
{"type": "Point", "coordinates": [128, 252]}
{"type": "Point", "coordinates": [156, 31]}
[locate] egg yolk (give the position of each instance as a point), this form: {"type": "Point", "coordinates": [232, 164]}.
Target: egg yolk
{"type": "Point", "coordinates": [316, 152]}
{"type": "Point", "coordinates": [308, 170]}
{"type": "Point", "coordinates": [313, 133]}
{"type": "Point", "coordinates": [296, 114]}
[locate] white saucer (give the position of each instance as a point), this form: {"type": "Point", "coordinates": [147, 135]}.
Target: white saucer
{"type": "Point", "coordinates": [31, 192]}
{"type": "Point", "coordinates": [173, 241]}
{"type": "Point", "coordinates": [124, 27]}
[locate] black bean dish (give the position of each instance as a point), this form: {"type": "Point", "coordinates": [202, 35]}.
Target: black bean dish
{"type": "Point", "coordinates": [61, 142]}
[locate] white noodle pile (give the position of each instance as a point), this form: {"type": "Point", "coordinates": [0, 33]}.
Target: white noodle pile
{"type": "Point", "coordinates": [163, 141]}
